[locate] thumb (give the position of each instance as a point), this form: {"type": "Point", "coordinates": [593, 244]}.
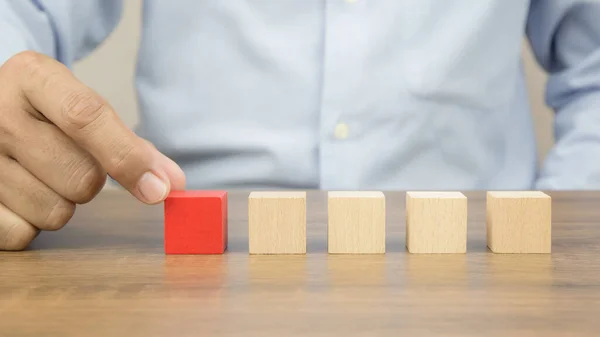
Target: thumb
{"type": "Point", "coordinates": [172, 172]}
{"type": "Point", "coordinates": [150, 177]}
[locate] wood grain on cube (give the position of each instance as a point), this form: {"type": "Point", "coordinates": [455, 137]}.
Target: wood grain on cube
{"type": "Point", "coordinates": [277, 222]}
{"type": "Point", "coordinates": [436, 222]}
{"type": "Point", "coordinates": [519, 222]}
{"type": "Point", "coordinates": [356, 222]}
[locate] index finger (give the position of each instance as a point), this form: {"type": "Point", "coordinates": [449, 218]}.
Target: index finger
{"type": "Point", "coordinates": [91, 122]}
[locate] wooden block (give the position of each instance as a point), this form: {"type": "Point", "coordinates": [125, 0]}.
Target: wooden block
{"type": "Point", "coordinates": [519, 222]}
{"type": "Point", "coordinates": [356, 223]}
{"type": "Point", "coordinates": [436, 222]}
{"type": "Point", "coordinates": [277, 222]}
{"type": "Point", "coordinates": [195, 222]}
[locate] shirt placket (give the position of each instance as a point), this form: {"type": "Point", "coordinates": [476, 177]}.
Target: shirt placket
{"type": "Point", "coordinates": [341, 62]}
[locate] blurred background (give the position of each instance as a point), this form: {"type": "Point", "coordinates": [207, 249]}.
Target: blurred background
{"type": "Point", "coordinates": [110, 69]}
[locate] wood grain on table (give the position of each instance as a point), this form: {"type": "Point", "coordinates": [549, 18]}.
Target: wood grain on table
{"type": "Point", "coordinates": [105, 274]}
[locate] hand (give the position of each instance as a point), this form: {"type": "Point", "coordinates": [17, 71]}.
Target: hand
{"type": "Point", "coordinates": [58, 142]}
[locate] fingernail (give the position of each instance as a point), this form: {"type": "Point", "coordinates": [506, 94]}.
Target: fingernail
{"type": "Point", "coordinates": [152, 188]}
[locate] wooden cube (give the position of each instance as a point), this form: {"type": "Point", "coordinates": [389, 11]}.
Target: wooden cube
{"type": "Point", "coordinates": [436, 222]}
{"type": "Point", "coordinates": [195, 222]}
{"type": "Point", "coordinates": [356, 223]}
{"type": "Point", "coordinates": [277, 222]}
{"type": "Point", "coordinates": [519, 222]}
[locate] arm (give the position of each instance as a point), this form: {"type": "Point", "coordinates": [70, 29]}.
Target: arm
{"type": "Point", "coordinates": [565, 37]}
{"type": "Point", "coordinates": [66, 30]}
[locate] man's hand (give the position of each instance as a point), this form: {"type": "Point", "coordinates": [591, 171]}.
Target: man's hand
{"type": "Point", "coordinates": [58, 142]}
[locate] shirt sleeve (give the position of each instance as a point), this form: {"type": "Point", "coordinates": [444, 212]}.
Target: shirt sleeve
{"type": "Point", "coordinates": [565, 38]}
{"type": "Point", "coordinates": [66, 30]}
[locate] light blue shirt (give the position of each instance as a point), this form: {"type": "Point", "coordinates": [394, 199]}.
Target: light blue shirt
{"type": "Point", "coordinates": [340, 94]}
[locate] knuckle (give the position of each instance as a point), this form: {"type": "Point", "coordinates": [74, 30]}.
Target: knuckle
{"type": "Point", "coordinates": [9, 129]}
{"type": "Point", "coordinates": [59, 214]}
{"type": "Point", "coordinates": [28, 61]}
{"type": "Point", "coordinates": [80, 110]}
{"type": "Point", "coordinates": [119, 163]}
{"type": "Point", "coordinates": [89, 184]}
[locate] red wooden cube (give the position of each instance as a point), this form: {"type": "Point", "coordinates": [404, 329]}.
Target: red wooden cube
{"type": "Point", "coordinates": [196, 222]}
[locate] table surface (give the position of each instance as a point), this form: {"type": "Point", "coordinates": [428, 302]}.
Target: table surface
{"type": "Point", "coordinates": [106, 274]}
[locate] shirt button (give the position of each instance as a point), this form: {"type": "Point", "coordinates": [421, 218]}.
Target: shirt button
{"type": "Point", "coordinates": [341, 131]}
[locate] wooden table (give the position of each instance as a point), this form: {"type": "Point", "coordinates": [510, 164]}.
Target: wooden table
{"type": "Point", "coordinates": [105, 274]}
